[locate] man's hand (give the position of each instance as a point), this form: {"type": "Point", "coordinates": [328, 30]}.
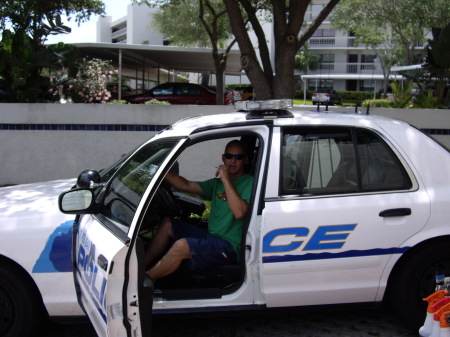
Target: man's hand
{"type": "Point", "coordinates": [222, 173]}
{"type": "Point", "coordinates": [238, 206]}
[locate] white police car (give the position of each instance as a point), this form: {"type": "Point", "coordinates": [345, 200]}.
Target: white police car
{"type": "Point", "coordinates": [345, 208]}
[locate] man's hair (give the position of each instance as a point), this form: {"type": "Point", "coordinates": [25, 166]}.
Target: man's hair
{"type": "Point", "coordinates": [238, 143]}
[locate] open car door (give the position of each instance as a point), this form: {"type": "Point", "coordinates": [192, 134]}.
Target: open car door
{"type": "Point", "coordinates": [113, 287]}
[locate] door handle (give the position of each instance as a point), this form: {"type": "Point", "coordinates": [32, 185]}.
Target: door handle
{"type": "Point", "coordinates": [102, 262]}
{"type": "Point", "coordinates": [395, 212]}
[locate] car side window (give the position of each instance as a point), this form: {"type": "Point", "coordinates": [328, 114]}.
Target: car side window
{"type": "Point", "coordinates": [380, 168]}
{"type": "Point", "coordinates": [187, 90]}
{"type": "Point", "coordinates": [164, 91]}
{"type": "Point", "coordinates": [321, 161]}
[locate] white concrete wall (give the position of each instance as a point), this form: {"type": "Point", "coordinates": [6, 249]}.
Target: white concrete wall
{"type": "Point", "coordinates": [40, 155]}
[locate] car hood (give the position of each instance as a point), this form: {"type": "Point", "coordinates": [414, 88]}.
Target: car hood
{"type": "Point", "coordinates": [33, 232]}
{"type": "Point", "coordinates": [32, 199]}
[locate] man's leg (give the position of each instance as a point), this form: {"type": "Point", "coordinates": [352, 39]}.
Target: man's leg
{"type": "Point", "coordinates": [159, 242]}
{"type": "Point", "coordinates": [171, 261]}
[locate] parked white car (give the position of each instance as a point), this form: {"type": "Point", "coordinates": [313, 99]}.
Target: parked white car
{"type": "Point", "coordinates": [345, 208]}
{"type": "Point", "coordinates": [326, 96]}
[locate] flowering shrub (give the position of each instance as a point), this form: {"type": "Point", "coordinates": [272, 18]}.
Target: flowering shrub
{"type": "Point", "coordinates": [89, 86]}
{"type": "Point", "coordinates": [92, 78]}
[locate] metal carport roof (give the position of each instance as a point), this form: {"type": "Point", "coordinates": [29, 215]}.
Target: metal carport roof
{"type": "Point", "coordinates": [182, 59]}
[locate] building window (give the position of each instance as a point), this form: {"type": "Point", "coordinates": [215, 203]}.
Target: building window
{"type": "Point", "coordinates": [326, 62]}
{"type": "Point", "coordinates": [368, 58]}
{"type": "Point", "coordinates": [323, 84]}
{"type": "Point", "coordinates": [325, 33]}
{"type": "Point", "coordinates": [326, 58]}
{"type": "Point", "coordinates": [366, 85]}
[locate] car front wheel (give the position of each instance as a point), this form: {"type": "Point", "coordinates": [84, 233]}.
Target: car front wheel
{"type": "Point", "coordinates": [21, 309]}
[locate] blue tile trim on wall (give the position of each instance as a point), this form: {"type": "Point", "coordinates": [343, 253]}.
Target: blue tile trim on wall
{"type": "Point", "coordinates": [128, 127]}
{"type": "Point", "coordinates": [83, 127]}
{"type": "Point", "coordinates": [443, 132]}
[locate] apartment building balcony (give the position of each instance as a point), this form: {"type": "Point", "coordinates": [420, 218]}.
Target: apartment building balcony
{"type": "Point", "coordinates": [334, 42]}
{"type": "Point", "coordinates": [119, 33]}
{"type": "Point", "coordinates": [346, 68]}
{"type": "Point", "coordinates": [342, 42]}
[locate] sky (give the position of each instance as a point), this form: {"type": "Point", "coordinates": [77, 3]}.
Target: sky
{"type": "Point", "coordinates": [87, 31]}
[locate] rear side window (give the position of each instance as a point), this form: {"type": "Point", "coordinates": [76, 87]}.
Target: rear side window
{"type": "Point", "coordinates": [321, 161]}
{"type": "Point", "coordinates": [188, 90]}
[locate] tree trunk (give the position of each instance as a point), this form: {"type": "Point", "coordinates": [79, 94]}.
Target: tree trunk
{"type": "Point", "coordinates": [220, 62]}
{"type": "Point", "coordinates": [269, 83]}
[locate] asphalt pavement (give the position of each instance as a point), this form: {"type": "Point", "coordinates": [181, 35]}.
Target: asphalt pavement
{"type": "Point", "coordinates": [284, 322]}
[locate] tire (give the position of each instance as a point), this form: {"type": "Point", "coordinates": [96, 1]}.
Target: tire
{"type": "Point", "coordinates": [21, 309]}
{"type": "Point", "coordinates": [415, 279]}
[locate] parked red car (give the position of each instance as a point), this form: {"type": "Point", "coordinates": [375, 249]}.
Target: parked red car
{"type": "Point", "coordinates": [177, 93]}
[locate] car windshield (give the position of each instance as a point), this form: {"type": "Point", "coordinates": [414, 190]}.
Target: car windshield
{"type": "Point", "coordinates": [107, 173]}
{"type": "Point", "coordinates": [132, 179]}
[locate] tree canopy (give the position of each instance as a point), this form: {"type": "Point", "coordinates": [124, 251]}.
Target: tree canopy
{"type": "Point", "coordinates": [24, 27]}
{"type": "Point", "coordinates": [202, 23]}
{"type": "Point", "coordinates": [40, 18]}
{"type": "Point", "coordinates": [181, 22]}
{"type": "Point", "coordinates": [438, 61]}
{"type": "Point", "coordinates": [404, 22]}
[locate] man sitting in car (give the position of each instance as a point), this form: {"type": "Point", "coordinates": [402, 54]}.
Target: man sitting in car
{"type": "Point", "coordinates": [229, 193]}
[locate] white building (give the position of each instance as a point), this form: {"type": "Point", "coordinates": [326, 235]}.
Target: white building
{"type": "Point", "coordinates": [132, 28]}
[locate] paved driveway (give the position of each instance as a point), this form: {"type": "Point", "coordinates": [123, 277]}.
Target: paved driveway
{"type": "Point", "coordinates": [285, 322]}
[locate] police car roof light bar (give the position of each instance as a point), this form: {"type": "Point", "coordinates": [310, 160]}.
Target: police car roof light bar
{"type": "Point", "coordinates": [273, 104]}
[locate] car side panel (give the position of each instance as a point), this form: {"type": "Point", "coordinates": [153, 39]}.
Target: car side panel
{"type": "Point", "coordinates": [347, 245]}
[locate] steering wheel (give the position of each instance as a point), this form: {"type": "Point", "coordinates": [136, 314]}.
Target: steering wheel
{"type": "Point", "coordinates": [165, 201]}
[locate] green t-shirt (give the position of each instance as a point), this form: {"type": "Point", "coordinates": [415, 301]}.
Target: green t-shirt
{"type": "Point", "coordinates": [222, 222]}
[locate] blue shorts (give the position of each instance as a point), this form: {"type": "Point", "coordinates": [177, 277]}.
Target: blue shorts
{"type": "Point", "coordinates": [206, 249]}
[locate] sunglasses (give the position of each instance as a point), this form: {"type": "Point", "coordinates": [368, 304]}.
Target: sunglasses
{"type": "Point", "coordinates": [231, 156]}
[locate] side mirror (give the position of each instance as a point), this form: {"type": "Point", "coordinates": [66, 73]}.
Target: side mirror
{"type": "Point", "coordinates": [77, 201]}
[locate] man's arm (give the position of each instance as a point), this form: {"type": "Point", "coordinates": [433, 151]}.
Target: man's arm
{"type": "Point", "coordinates": [238, 206]}
{"type": "Point", "coordinates": [182, 184]}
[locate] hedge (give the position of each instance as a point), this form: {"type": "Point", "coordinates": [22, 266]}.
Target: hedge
{"type": "Point", "coordinates": [378, 103]}
{"type": "Point", "coordinates": [345, 95]}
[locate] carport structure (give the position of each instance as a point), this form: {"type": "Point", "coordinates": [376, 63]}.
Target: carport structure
{"type": "Point", "coordinates": [149, 63]}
